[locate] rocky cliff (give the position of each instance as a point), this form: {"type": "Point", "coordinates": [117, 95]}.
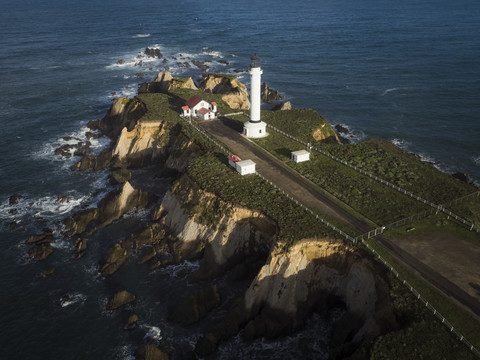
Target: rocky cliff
{"type": "Point", "coordinates": [235, 94]}
{"type": "Point", "coordinates": [310, 276]}
{"type": "Point", "coordinates": [204, 226]}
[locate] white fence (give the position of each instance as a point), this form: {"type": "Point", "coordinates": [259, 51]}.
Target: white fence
{"type": "Point", "coordinates": [362, 238]}
{"type": "Point", "coordinates": [393, 186]}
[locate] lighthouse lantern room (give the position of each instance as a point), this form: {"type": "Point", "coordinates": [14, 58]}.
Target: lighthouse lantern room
{"type": "Point", "coordinates": [255, 128]}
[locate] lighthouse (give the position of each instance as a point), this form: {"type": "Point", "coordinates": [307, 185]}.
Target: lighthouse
{"type": "Point", "coordinates": [255, 128]}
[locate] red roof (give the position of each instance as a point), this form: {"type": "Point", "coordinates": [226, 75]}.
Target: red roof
{"type": "Point", "coordinates": [233, 158]}
{"type": "Point", "coordinates": [185, 108]}
{"type": "Point", "coordinates": [214, 103]}
{"type": "Point", "coordinates": [204, 111]}
{"type": "Point", "coordinates": [194, 100]}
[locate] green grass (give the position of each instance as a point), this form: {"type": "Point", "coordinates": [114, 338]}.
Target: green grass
{"type": "Point", "coordinates": [299, 123]}
{"type": "Point", "coordinates": [377, 202]}
{"type": "Point", "coordinates": [215, 176]}
{"type": "Point", "coordinates": [381, 158]}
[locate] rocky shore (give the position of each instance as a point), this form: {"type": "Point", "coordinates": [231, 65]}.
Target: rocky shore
{"type": "Point", "coordinates": [286, 285]}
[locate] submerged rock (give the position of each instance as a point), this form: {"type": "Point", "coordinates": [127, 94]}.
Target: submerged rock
{"type": "Point", "coordinates": [120, 299]}
{"type": "Point", "coordinates": [49, 272]}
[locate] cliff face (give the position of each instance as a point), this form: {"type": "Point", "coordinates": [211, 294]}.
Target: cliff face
{"type": "Point", "coordinates": [235, 232]}
{"type": "Point", "coordinates": [139, 146]}
{"type": "Point", "coordinates": [124, 112]}
{"type": "Point", "coordinates": [309, 277]}
{"type": "Point", "coordinates": [234, 92]}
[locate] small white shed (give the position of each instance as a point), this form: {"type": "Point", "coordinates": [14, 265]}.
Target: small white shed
{"type": "Point", "coordinates": [245, 167]}
{"type": "Point", "coordinates": [300, 156]}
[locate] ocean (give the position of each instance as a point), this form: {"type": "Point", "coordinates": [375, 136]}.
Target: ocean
{"type": "Point", "coordinates": [405, 71]}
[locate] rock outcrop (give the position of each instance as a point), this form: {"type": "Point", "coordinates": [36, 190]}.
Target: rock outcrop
{"type": "Point", "coordinates": [234, 92]}
{"type": "Point", "coordinates": [237, 233]}
{"type": "Point", "coordinates": [268, 95]}
{"type": "Point", "coordinates": [287, 105]}
{"type": "Point", "coordinates": [326, 134]}
{"type": "Point", "coordinates": [123, 112]}
{"type": "Point", "coordinates": [293, 284]}
{"type": "Point", "coordinates": [164, 82]}
{"type": "Point", "coordinates": [120, 299]}
{"type": "Point", "coordinates": [137, 147]}
{"type": "Point", "coordinates": [109, 209]}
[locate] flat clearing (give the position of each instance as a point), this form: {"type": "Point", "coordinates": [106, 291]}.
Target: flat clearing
{"type": "Point", "coordinates": [457, 259]}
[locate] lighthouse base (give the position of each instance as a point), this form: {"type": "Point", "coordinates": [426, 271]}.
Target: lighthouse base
{"type": "Point", "coordinates": [255, 129]}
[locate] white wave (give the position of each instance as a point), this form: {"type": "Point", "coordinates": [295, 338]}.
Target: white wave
{"type": "Point", "coordinates": [216, 54]}
{"type": "Point", "coordinates": [142, 35]}
{"type": "Point", "coordinates": [153, 332]}
{"type": "Point", "coordinates": [70, 299]}
{"type": "Point", "coordinates": [128, 91]}
{"type": "Point", "coordinates": [42, 207]}
{"type": "Point", "coordinates": [400, 143]}
{"type": "Point", "coordinates": [389, 91]}
{"type": "Point", "coordinates": [476, 160]}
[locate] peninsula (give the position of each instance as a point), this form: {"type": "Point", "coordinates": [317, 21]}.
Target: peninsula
{"type": "Point", "coordinates": [296, 239]}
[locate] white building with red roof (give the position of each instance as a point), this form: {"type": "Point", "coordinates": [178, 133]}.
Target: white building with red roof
{"type": "Point", "coordinates": [196, 106]}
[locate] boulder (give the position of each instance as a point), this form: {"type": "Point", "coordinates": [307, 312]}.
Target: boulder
{"type": "Point", "coordinates": [196, 306]}
{"type": "Point", "coordinates": [113, 259]}
{"type": "Point", "coordinates": [121, 62]}
{"type": "Point", "coordinates": [287, 105]}
{"type": "Point", "coordinates": [131, 322]}
{"type": "Point", "coordinates": [235, 93]}
{"type": "Point", "coordinates": [119, 176]}
{"type": "Point", "coordinates": [225, 62]}
{"type": "Point", "coordinates": [268, 95]}
{"type": "Point", "coordinates": [149, 352]}
{"type": "Point", "coordinates": [120, 299]}
{"type": "Point", "coordinates": [40, 252]}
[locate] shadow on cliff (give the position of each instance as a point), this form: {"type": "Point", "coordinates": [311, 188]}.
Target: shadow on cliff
{"type": "Point", "coordinates": [280, 299]}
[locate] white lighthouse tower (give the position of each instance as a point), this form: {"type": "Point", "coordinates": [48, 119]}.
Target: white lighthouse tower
{"type": "Point", "coordinates": [255, 128]}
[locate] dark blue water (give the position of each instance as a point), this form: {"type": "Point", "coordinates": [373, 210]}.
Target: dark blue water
{"type": "Point", "coordinates": [405, 71]}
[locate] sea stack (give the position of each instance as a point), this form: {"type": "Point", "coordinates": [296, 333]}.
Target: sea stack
{"type": "Point", "coordinates": [255, 128]}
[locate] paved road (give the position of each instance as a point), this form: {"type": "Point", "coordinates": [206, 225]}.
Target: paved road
{"type": "Point", "coordinates": [229, 131]}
